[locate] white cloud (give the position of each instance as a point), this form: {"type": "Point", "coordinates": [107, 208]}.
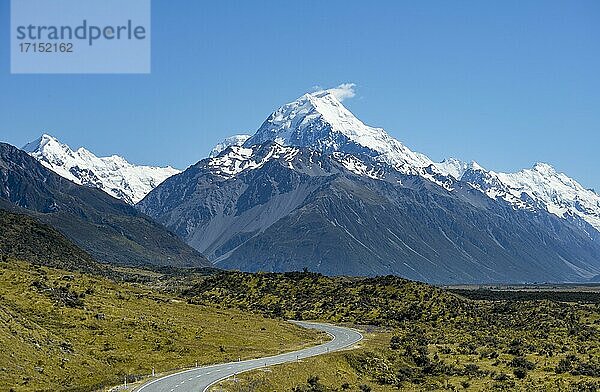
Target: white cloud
{"type": "Point", "coordinates": [343, 91]}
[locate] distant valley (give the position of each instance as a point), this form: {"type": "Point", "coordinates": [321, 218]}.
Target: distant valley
{"type": "Point", "coordinates": [334, 221]}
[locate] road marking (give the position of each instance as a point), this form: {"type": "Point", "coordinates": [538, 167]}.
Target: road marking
{"type": "Point", "coordinates": [334, 344]}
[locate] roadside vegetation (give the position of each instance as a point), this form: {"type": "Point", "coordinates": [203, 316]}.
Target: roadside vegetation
{"type": "Point", "coordinates": [68, 323]}
{"type": "Point", "coordinates": [67, 331]}
{"type": "Point", "coordinates": [422, 337]}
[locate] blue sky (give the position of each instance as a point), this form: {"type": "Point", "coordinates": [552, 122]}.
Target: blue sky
{"type": "Point", "coordinates": [504, 83]}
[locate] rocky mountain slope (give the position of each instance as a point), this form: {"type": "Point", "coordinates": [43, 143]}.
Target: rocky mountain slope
{"type": "Point", "coordinates": [110, 230]}
{"type": "Point", "coordinates": [317, 188]}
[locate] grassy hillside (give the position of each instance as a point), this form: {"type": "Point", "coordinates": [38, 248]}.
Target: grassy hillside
{"type": "Point", "coordinates": [427, 338]}
{"type": "Point", "coordinates": [308, 296]}
{"type": "Point", "coordinates": [65, 331]}
{"type": "Point", "coordinates": [23, 238]}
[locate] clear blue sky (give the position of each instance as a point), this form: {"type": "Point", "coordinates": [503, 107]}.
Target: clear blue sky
{"type": "Point", "coordinates": [505, 83]}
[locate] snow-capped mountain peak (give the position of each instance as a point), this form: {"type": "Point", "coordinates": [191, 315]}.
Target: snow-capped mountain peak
{"type": "Point", "coordinates": [539, 187]}
{"type": "Point", "coordinates": [113, 174]}
{"type": "Point", "coordinates": [561, 194]}
{"type": "Point", "coordinates": [457, 168]}
{"type": "Point", "coordinates": [452, 166]}
{"type": "Point", "coordinates": [40, 143]}
{"type": "Point", "coordinates": [235, 140]}
{"type": "Point", "coordinates": [473, 165]}
{"type": "Point", "coordinates": [320, 121]}
{"type": "Point", "coordinates": [544, 168]}
{"type": "Point", "coordinates": [49, 145]}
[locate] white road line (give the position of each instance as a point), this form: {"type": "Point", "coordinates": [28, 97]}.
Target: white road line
{"type": "Point", "coordinates": [221, 369]}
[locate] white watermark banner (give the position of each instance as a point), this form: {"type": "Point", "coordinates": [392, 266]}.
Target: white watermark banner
{"type": "Point", "coordinates": [80, 36]}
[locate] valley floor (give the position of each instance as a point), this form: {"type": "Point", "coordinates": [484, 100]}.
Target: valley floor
{"type": "Point", "coordinates": [338, 372]}
{"type": "Point", "coordinates": [65, 331]}
{"type": "Point", "coordinates": [422, 338]}
{"type": "Point", "coordinates": [70, 331]}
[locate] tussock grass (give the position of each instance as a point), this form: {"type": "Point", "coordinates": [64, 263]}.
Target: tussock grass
{"type": "Point", "coordinates": [432, 339]}
{"type": "Point", "coordinates": [65, 331]}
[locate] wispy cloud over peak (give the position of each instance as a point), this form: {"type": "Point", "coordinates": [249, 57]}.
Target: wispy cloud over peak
{"type": "Point", "coordinates": [341, 92]}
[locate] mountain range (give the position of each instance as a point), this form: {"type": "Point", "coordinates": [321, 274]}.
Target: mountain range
{"type": "Point", "coordinates": [114, 175]}
{"type": "Point", "coordinates": [314, 187]}
{"type": "Point", "coordinates": [319, 121]}
{"type": "Point", "coordinates": [108, 229]}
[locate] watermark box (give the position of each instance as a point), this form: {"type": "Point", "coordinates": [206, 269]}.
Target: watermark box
{"type": "Point", "coordinates": [80, 36]}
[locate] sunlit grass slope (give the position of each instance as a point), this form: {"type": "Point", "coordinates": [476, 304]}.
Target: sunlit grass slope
{"type": "Point", "coordinates": [69, 331]}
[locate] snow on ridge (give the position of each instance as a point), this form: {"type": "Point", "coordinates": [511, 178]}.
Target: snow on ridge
{"type": "Point", "coordinates": [236, 159]}
{"type": "Point", "coordinates": [528, 188]}
{"type": "Point", "coordinates": [235, 140]}
{"type": "Point", "coordinates": [357, 166]}
{"type": "Point", "coordinates": [114, 175]}
{"type": "Point", "coordinates": [453, 167]}
{"type": "Point", "coordinates": [320, 121]}
{"type": "Point", "coordinates": [561, 194]}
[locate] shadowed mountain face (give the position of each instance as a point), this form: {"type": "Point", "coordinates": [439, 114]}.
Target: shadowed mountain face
{"type": "Point", "coordinates": [108, 229]}
{"type": "Point", "coordinates": [315, 187]}
{"type": "Point", "coordinates": [273, 208]}
{"type": "Point", "coordinates": [23, 238]}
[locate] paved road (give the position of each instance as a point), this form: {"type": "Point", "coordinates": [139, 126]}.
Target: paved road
{"type": "Point", "coordinates": [200, 379]}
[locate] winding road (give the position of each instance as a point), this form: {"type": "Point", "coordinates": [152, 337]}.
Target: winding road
{"type": "Point", "coordinates": [201, 378]}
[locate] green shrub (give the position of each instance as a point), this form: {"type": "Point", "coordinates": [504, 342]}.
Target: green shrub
{"type": "Point", "coordinates": [520, 373]}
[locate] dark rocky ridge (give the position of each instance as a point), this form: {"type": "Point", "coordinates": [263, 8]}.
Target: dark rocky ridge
{"type": "Point", "coordinates": [110, 230]}
{"type": "Point", "coordinates": [310, 211]}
